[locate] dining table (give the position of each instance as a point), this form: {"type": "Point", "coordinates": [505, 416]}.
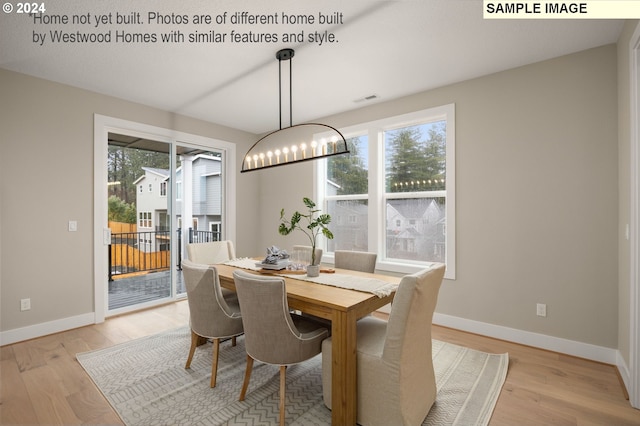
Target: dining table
{"type": "Point", "coordinates": [343, 307]}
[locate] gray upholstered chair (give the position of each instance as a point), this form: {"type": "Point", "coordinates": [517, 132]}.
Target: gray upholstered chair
{"type": "Point", "coordinates": [211, 315]}
{"type": "Point", "coordinates": [362, 261]}
{"type": "Point", "coordinates": [395, 377]}
{"type": "Point", "coordinates": [308, 250]}
{"type": "Point", "coordinates": [272, 334]}
{"type": "Point", "coordinates": [211, 253]}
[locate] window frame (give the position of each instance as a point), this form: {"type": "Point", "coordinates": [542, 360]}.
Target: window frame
{"type": "Point", "coordinates": [377, 197]}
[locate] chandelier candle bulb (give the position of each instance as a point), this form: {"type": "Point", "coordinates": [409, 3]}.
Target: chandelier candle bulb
{"type": "Point", "coordinates": [269, 155]}
{"type": "Point", "coordinates": [303, 148]}
{"type": "Point", "coordinates": [278, 156]}
{"type": "Point", "coordinates": [294, 150]}
{"type": "Point", "coordinates": [262, 159]}
{"type": "Point", "coordinates": [314, 144]}
{"type": "Point", "coordinates": [285, 151]}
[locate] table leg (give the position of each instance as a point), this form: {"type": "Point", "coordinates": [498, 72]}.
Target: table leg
{"type": "Point", "coordinates": [343, 369]}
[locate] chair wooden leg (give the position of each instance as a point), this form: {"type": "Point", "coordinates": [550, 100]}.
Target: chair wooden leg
{"type": "Point", "coordinates": [247, 377]}
{"type": "Point", "coordinates": [194, 343]}
{"type": "Point", "coordinates": [233, 341]}
{"type": "Point", "coordinates": [214, 362]}
{"type": "Point", "coordinates": [283, 382]}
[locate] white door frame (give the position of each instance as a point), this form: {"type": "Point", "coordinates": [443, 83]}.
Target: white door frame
{"type": "Point", "coordinates": [103, 125]}
{"type": "Point", "coordinates": [634, 226]}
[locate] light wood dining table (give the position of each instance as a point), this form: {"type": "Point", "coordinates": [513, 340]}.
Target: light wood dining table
{"type": "Point", "coordinates": [343, 308]}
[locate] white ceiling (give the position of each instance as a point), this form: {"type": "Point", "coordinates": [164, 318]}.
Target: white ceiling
{"type": "Point", "coordinates": [388, 49]}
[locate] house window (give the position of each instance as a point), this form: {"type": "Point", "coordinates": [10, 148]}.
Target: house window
{"type": "Point", "coordinates": [144, 220]}
{"type": "Point", "coordinates": [216, 230]}
{"type": "Point", "coordinates": [163, 189]}
{"type": "Point", "coordinates": [150, 187]}
{"type": "Point", "coordinates": [140, 188]}
{"type": "Point", "coordinates": [395, 190]}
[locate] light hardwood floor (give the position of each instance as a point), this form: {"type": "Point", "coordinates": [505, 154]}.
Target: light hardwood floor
{"type": "Point", "coordinates": [42, 383]}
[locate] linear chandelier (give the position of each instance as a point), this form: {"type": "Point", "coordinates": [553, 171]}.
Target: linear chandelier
{"type": "Point", "coordinates": [295, 143]}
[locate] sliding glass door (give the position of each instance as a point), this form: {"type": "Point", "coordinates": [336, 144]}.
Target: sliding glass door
{"type": "Point", "coordinates": [156, 191]}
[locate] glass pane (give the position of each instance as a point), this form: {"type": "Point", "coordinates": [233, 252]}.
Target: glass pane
{"type": "Point", "coordinates": [349, 224]}
{"type": "Point", "coordinates": [416, 229]}
{"type": "Point", "coordinates": [139, 254]}
{"type": "Point", "coordinates": [200, 196]}
{"type": "Point", "coordinates": [415, 158]}
{"type": "Point", "coordinates": [347, 174]}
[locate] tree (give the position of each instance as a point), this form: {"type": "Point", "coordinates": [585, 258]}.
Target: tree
{"type": "Point", "coordinates": [414, 163]}
{"type": "Point", "coordinates": [349, 171]}
{"type": "Point", "coordinates": [119, 211]}
{"type": "Point", "coordinates": [124, 165]}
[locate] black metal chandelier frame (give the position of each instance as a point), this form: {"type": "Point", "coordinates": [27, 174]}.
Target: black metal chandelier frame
{"type": "Point", "coordinates": [262, 155]}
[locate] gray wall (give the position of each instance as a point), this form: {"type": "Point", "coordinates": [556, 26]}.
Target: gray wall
{"type": "Point", "coordinates": [46, 179]}
{"type": "Point", "coordinates": [537, 148]}
{"type": "Point", "coordinates": [624, 155]}
{"type": "Point", "coordinates": [537, 195]}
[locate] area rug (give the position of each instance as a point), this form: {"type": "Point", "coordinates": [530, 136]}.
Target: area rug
{"type": "Point", "coordinates": [146, 383]}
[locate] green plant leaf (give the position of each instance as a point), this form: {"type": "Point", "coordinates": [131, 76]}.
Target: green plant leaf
{"type": "Point", "coordinates": [309, 203]}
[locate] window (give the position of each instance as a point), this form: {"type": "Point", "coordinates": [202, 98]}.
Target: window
{"type": "Point", "coordinates": [163, 189]}
{"type": "Point", "coordinates": [216, 230]}
{"type": "Point", "coordinates": [150, 187]}
{"type": "Point", "coordinates": [394, 193]}
{"type": "Point", "coordinates": [144, 220]}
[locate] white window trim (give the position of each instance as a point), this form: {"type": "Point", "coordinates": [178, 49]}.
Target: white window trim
{"type": "Point", "coordinates": [374, 130]}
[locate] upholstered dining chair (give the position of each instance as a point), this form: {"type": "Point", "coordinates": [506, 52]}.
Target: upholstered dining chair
{"type": "Point", "coordinates": [362, 261]}
{"type": "Point", "coordinates": [395, 378]}
{"type": "Point", "coordinates": [307, 249]}
{"type": "Point", "coordinates": [211, 315]}
{"type": "Point", "coordinates": [211, 252]}
{"type": "Point", "coordinates": [273, 335]}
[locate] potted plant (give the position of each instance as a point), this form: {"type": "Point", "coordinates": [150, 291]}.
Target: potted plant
{"type": "Point", "coordinates": [313, 224]}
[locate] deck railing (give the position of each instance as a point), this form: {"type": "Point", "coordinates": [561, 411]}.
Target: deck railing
{"type": "Point", "coordinates": [136, 252]}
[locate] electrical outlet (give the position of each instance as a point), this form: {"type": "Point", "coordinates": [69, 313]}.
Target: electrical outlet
{"type": "Point", "coordinates": [25, 304]}
{"type": "Point", "coordinates": [541, 310]}
{"type": "Point", "coordinates": [73, 226]}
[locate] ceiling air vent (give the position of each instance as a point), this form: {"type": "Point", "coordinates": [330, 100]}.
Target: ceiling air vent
{"type": "Point", "coordinates": [366, 98]}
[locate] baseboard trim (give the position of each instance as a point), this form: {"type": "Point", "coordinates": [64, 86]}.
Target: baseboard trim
{"type": "Point", "coordinates": [542, 341]}
{"type": "Point", "coordinates": [569, 347]}
{"type": "Point", "coordinates": [38, 330]}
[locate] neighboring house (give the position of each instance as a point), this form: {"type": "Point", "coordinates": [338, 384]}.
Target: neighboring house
{"type": "Point", "coordinates": [416, 230]}
{"type": "Point", "coordinates": [205, 188]}
{"type": "Point", "coordinates": [349, 221]}
{"type": "Point", "coordinates": [151, 208]}
{"type": "Point", "coordinates": [206, 194]}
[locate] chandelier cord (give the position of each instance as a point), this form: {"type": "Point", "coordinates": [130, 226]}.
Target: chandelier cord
{"type": "Point", "coordinates": [290, 90]}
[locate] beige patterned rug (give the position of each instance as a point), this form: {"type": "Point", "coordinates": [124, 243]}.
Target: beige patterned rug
{"type": "Point", "coordinates": [146, 383]}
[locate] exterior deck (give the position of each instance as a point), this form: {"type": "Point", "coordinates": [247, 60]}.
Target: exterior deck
{"type": "Point", "coordinates": [135, 289]}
